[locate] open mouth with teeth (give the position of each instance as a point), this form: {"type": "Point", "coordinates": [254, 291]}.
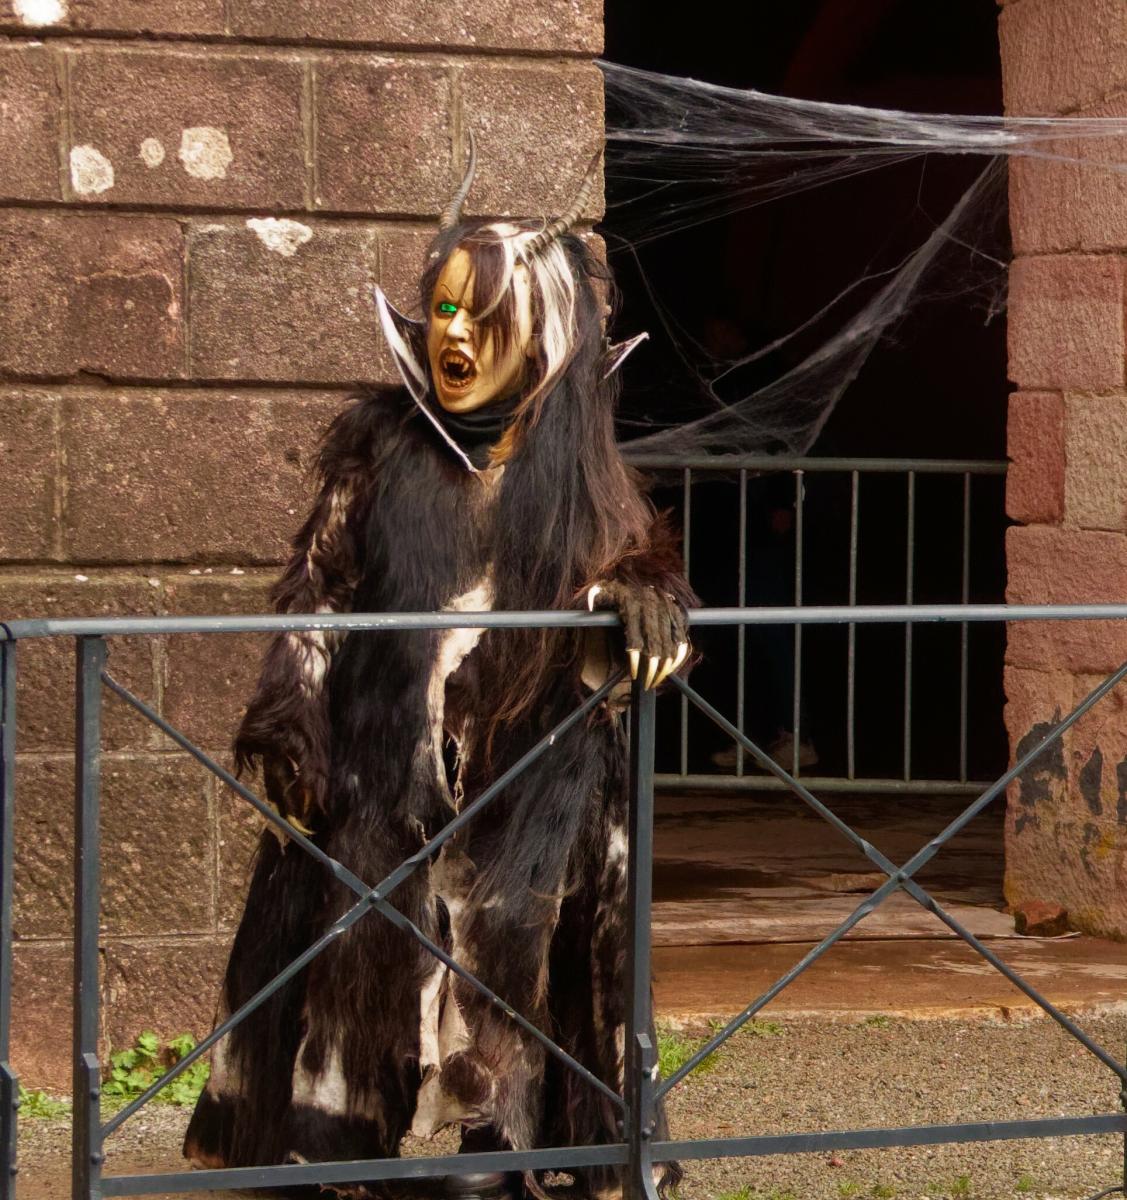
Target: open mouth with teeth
{"type": "Point", "coordinates": [457, 370]}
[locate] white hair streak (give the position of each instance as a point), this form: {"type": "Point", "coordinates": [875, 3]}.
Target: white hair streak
{"type": "Point", "coordinates": [553, 294]}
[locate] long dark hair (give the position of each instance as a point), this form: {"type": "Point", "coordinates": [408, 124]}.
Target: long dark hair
{"type": "Point", "coordinates": [571, 511]}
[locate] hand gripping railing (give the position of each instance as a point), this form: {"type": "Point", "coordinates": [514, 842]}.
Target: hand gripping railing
{"type": "Point", "coordinates": [638, 1151]}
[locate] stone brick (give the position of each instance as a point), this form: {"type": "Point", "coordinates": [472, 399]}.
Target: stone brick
{"type": "Point", "coordinates": [1066, 826]}
{"type": "Point", "coordinates": [383, 137]}
{"type": "Point", "coordinates": [573, 27]}
{"type": "Point", "coordinates": [170, 987]}
{"type": "Point", "coordinates": [28, 475]}
{"type": "Point", "coordinates": [402, 259]}
{"type": "Point", "coordinates": [1040, 918]}
{"type": "Point", "coordinates": [1096, 447]}
{"type": "Point", "coordinates": [162, 476]}
{"type": "Point", "coordinates": [306, 315]}
{"type": "Point", "coordinates": [1035, 436]}
{"type": "Point", "coordinates": [29, 131]}
{"type": "Point", "coordinates": [218, 130]}
{"type": "Point", "coordinates": [208, 678]}
{"type": "Point", "coordinates": [1072, 205]}
{"type": "Point", "coordinates": [537, 128]}
{"type": "Point", "coordinates": [1064, 566]}
{"type": "Point", "coordinates": [1058, 55]}
{"type": "Point", "coordinates": [130, 16]}
{"type": "Point", "coordinates": [102, 294]}
{"type": "Point", "coordinates": [1066, 322]}
{"type": "Point", "coordinates": [158, 846]}
{"type": "Point", "coordinates": [45, 696]}
{"type": "Point", "coordinates": [41, 1022]}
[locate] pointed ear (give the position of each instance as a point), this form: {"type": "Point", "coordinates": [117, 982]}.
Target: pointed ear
{"type": "Point", "coordinates": [615, 355]}
{"type": "Point", "coordinates": [406, 339]}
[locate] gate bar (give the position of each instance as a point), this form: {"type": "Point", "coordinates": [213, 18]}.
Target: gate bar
{"type": "Point", "coordinates": [9, 1083]}
{"type": "Point", "coordinates": [86, 1133]}
{"type": "Point", "coordinates": [641, 1113]}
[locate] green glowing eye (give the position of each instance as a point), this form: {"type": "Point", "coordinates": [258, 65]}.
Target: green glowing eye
{"type": "Point", "coordinates": [447, 307]}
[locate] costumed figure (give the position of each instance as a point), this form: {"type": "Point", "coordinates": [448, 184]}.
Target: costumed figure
{"type": "Point", "coordinates": [492, 480]}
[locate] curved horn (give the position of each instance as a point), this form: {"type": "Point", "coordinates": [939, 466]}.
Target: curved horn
{"type": "Point", "coordinates": [453, 213]}
{"type": "Point", "coordinates": [562, 224]}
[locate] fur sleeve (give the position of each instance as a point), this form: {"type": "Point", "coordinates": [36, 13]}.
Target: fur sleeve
{"type": "Point", "coordinates": [286, 722]}
{"type": "Point", "coordinates": [657, 563]}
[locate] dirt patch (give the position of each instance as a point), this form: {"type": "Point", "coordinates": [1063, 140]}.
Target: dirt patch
{"type": "Point", "coordinates": [810, 1074]}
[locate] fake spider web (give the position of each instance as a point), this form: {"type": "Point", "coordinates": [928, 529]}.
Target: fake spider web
{"type": "Point", "coordinates": [681, 153]}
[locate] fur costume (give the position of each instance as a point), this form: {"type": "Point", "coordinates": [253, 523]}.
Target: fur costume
{"type": "Point", "coordinates": [373, 740]}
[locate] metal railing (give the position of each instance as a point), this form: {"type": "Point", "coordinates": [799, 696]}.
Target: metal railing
{"type": "Point", "coordinates": [638, 1150]}
{"type": "Point", "coordinates": [963, 508]}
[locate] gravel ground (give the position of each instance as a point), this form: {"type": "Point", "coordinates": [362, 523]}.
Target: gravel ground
{"type": "Point", "coordinates": [803, 1074]}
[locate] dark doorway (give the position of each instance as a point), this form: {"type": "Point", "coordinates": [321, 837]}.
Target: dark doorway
{"type": "Point", "coordinates": [935, 389]}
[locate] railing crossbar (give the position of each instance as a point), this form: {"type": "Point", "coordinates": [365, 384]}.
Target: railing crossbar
{"type": "Point", "coordinates": [897, 878]}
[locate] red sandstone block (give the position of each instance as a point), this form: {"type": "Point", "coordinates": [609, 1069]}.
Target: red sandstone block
{"type": "Point", "coordinates": [45, 696]}
{"type": "Point", "coordinates": [290, 302]}
{"type": "Point", "coordinates": [1064, 823]}
{"type": "Point", "coordinates": [537, 128]}
{"type": "Point", "coordinates": [29, 466]}
{"type": "Point", "coordinates": [403, 258]}
{"type": "Point", "coordinates": [571, 28]}
{"type": "Point", "coordinates": [1096, 448]}
{"type": "Point", "coordinates": [218, 130]}
{"type": "Point", "coordinates": [1066, 566]}
{"type": "Point", "coordinates": [1066, 323]}
{"type": "Point", "coordinates": [121, 16]}
{"type": "Point", "coordinates": [1072, 205]}
{"type": "Point", "coordinates": [1058, 55]}
{"type": "Point", "coordinates": [383, 137]}
{"type": "Point", "coordinates": [30, 101]}
{"type": "Point", "coordinates": [158, 846]}
{"type": "Point", "coordinates": [208, 678]}
{"type": "Point", "coordinates": [91, 293]}
{"type": "Point", "coordinates": [169, 987]}
{"type": "Point", "coordinates": [159, 476]}
{"type": "Point", "coordinates": [41, 1020]}
{"type": "Point", "coordinates": [1035, 435]}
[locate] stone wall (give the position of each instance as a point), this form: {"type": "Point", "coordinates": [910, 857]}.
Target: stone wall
{"type": "Point", "coordinates": [1067, 826]}
{"type": "Point", "coordinates": [195, 198]}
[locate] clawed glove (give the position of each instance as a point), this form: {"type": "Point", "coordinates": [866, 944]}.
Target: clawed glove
{"type": "Point", "coordinates": [655, 624]}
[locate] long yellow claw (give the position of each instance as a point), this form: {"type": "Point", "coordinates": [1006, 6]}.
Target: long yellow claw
{"type": "Point", "coordinates": [666, 670]}
{"type": "Point", "coordinates": [292, 820]}
{"type": "Point", "coordinates": [635, 657]}
{"type": "Point", "coordinates": [651, 670]}
{"type": "Point", "coordinates": [682, 654]}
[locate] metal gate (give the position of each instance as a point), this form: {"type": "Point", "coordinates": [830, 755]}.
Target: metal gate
{"type": "Point", "coordinates": [960, 500]}
{"type": "Point", "coordinates": [637, 1150]}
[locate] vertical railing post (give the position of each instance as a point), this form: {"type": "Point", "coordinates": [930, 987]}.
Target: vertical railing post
{"type": "Point", "coordinates": [9, 1084]}
{"type": "Point", "coordinates": [641, 1062]}
{"type": "Point", "coordinates": [86, 1137]}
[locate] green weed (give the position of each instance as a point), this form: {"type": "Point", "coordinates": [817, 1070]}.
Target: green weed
{"type": "Point", "coordinates": [135, 1070]}
{"type": "Point", "coordinates": [878, 1021]}
{"type": "Point", "coordinates": [39, 1105]}
{"type": "Point", "coordinates": [848, 1188]}
{"type": "Point", "coordinates": [883, 1191]}
{"type": "Point", "coordinates": [961, 1188]}
{"type": "Point", "coordinates": [674, 1050]}
{"type": "Point", "coordinates": [1025, 1183]}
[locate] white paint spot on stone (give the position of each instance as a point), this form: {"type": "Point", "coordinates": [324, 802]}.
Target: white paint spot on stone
{"type": "Point", "coordinates": [40, 12]}
{"type": "Point", "coordinates": [281, 235]}
{"type": "Point", "coordinates": [152, 152]}
{"type": "Point", "coordinates": [205, 152]}
{"type": "Point", "coordinates": [90, 171]}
